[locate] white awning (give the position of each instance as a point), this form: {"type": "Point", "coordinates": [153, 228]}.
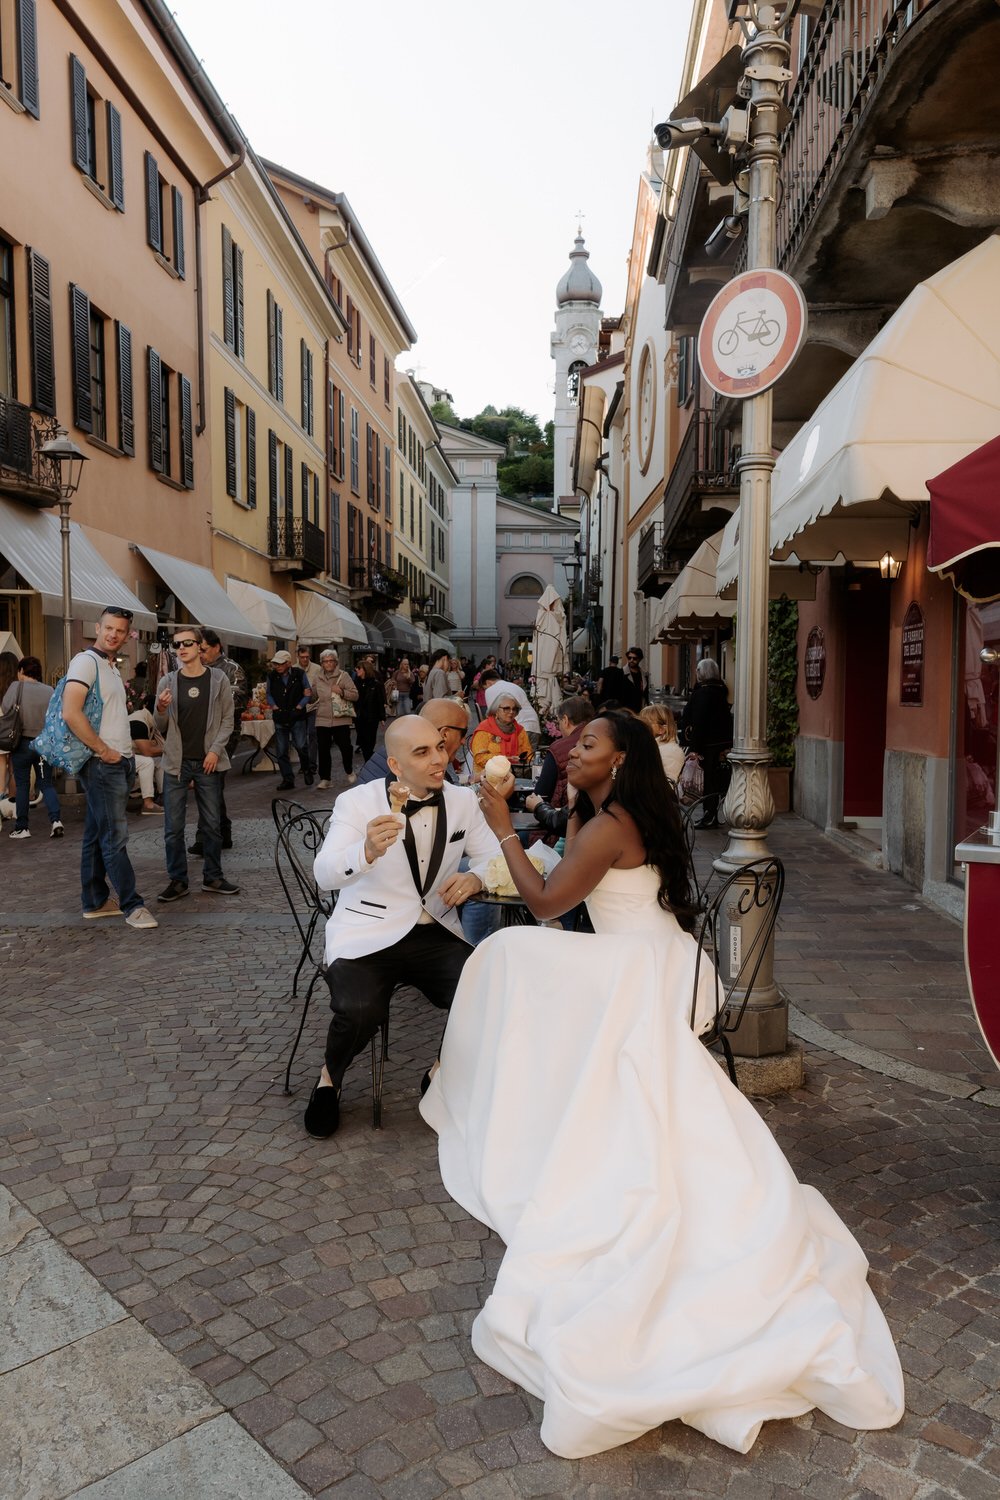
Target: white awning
{"type": "Point", "coordinates": [581, 641]}
{"type": "Point", "coordinates": [9, 645]}
{"type": "Point", "coordinates": [203, 596]}
{"type": "Point", "coordinates": [30, 541]}
{"type": "Point", "coordinates": [924, 394]}
{"type": "Point", "coordinates": [442, 643]}
{"type": "Point", "coordinates": [267, 611]}
{"type": "Point", "coordinates": [399, 633]}
{"type": "Point", "coordinates": [323, 621]}
{"type": "Point", "coordinates": [691, 604]}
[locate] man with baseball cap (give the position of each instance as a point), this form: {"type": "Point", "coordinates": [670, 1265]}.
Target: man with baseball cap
{"type": "Point", "coordinates": [288, 695]}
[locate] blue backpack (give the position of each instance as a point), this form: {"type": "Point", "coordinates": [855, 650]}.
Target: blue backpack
{"type": "Point", "coordinates": [57, 743]}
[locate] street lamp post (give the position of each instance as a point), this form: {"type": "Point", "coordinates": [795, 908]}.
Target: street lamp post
{"type": "Point", "coordinates": [67, 461]}
{"type": "Point", "coordinates": [571, 567]}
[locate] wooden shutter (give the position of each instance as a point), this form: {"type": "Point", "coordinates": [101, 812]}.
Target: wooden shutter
{"type": "Point", "coordinates": [279, 353]}
{"type": "Point", "coordinates": [341, 434]}
{"type": "Point", "coordinates": [272, 376]}
{"type": "Point", "coordinates": [177, 203]}
{"type": "Point", "coordinates": [304, 476]}
{"type": "Point", "coordinates": [289, 492]}
{"type": "Point", "coordinates": [78, 114]}
{"type": "Point", "coordinates": [251, 426]}
{"type": "Point", "coordinates": [331, 426]}
{"type": "Point", "coordinates": [369, 475]}
{"type": "Point", "coordinates": [126, 403]}
{"type": "Point", "coordinates": [228, 291]}
{"type": "Point", "coordinates": [238, 304]}
{"type": "Point", "coordinates": [79, 324]}
{"type": "Point", "coordinates": [154, 215]}
{"type": "Point", "coordinates": [304, 385]}
{"type": "Point", "coordinates": [43, 368]}
{"type": "Point", "coordinates": [229, 401]}
{"type": "Point", "coordinates": [272, 474]}
{"type": "Point", "coordinates": [350, 327]}
{"type": "Point", "coordinates": [154, 401]}
{"type": "Point", "coordinates": [187, 435]}
{"type": "Point", "coordinates": [116, 169]}
{"type": "Point", "coordinates": [27, 51]}
{"type": "Point", "coordinates": [377, 456]}
{"type": "Point", "coordinates": [315, 488]}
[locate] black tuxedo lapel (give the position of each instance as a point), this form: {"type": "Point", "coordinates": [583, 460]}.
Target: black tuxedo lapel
{"type": "Point", "coordinates": [437, 851]}
{"type": "Point", "coordinates": [409, 844]}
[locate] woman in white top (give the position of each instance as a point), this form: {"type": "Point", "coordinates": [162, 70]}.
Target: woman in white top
{"type": "Point", "coordinates": [664, 726]}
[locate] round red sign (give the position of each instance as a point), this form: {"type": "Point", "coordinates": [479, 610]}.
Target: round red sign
{"type": "Point", "coordinates": [752, 333]}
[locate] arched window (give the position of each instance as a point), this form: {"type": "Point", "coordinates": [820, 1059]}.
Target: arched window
{"type": "Point", "coordinates": [525, 586]}
{"type": "Point", "coordinates": [573, 380]}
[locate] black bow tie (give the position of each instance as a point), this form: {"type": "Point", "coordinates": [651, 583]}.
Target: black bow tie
{"type": "Point", "coordinates": [411, 807]}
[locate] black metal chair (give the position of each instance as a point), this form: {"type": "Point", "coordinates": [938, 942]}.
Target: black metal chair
{"type": "Point", "coordinates": [299, 836]}
{"type": "Point", "coordinates": [753, 891]}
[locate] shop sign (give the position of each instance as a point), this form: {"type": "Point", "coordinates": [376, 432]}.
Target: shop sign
{"type": "Point", "coordinates": [911, 686]}
{"type": "Point", "coordinates": [815, 662]}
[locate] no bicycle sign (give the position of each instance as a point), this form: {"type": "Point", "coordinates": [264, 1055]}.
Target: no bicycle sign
{"type": "Point", "coordinates": [752, 333]}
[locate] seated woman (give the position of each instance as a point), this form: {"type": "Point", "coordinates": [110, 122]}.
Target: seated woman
{"type": "Point", "coordinates": [662, 1261]}
{"type": "Point", "coordinates": [664, 726]}
{"type": "Point", "coordinates": [500, 733]}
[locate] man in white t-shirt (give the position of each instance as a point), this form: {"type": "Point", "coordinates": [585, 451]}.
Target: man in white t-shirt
{"type": "Point", "coordinates": [107, 775]}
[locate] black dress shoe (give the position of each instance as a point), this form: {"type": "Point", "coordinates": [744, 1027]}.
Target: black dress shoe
{"type": "Point", "coordinates": [425, 1083]}
{"type": "Point", "coordinates": [322, 1114]}
{"type": "Point", "coordinates": [309, 778]}
{"type": "Point", "coordinates": [197, 849]}
{"type": "Point", "coordinates": [286, 786]}
{"type": "Point", "coordinates": [708, 823]}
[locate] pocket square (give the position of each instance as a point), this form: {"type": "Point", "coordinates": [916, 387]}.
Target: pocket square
{"type": "Point", "coordinates": [456, 836]}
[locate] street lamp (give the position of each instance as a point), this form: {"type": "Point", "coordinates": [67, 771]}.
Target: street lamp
{"type": "Point", "coordinates": [423, 608]}
{"type": "Point", "coordinates": [67, 461]}
{"type": "Point", "coordinates": [571, 567]}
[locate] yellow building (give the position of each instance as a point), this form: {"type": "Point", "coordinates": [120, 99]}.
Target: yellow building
{"type": "Point", "coordinates": [424, 478]}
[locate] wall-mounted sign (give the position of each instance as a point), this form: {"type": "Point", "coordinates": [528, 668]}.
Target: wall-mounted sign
{"type": "Point", "coordinates": [911, 673]}
{"type": "Point", "coordinates": [752, 332]}
{"type": "Point", "coordinates": [815, 662]}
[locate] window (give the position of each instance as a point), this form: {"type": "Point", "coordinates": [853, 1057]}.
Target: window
{"type": "Point", "coordinates": [412, 520]}
{"type": "Point", "coordinates": [96, 130]}
{"type": "Point", "coordinates": [685, 369]}
{"type": "Point", "coordinates": [335, 535]}
{"type": "Point", "coordinates": [89, 365]}
{"type": "Point", "coordinates": [164, 219]}
{"type": "Point", "coordinates": [371, 360]}
{"type": "Point", "coordinates": [232, 294]}
{"type": "Point", "coordinates": [545, 539]}
{"type": "Point", "coordinates": [305, 491]}
{"type": "Point", "coordinates": [168, 397]}
{"type": "Point", "coordinates": [280, 494]}
{"type": "Point", "coordinates": [400, 432]}
{"type": "Point", "coordinates": [370, 463]}
{"type": "Point", "coordinates": [241, 451]}
{"type": "Point", "coordinates": [19, 53]}
{"type": "Point", "coordinates": [336, 288]}
{"type": "Point", "coordinates": [420, 520]}
{"type": "Point", "coordinates": [353, 315]}
{"type": "Point", "coordinates": [421, 471]}
{"type": "Point", "coordinates": [527, 539]}
{"type": "Point", "coordinates": [524, 586]}
{"type": "Point", "coordinates": [388, 482]}
{"type": "Point", "coordinates": [126, 399]}
{"type": "Point", "coordinates": [354, 534]}
{"type": "Point", "coordinates": [573, 381]}
{"type": "Point", "coordinates": [8, 342]}
{"type": "Point", "coordinates": [98, 377]}
{"type": "Point", "coordinates": [386, 391]}
{"type": "Point", "coordinates": [335, 429]}
{"type": "Point", "coordinates": [275, 349]}
{"type": "Point", "coordinates": [506, 539]}
{"type": "Point", "coordinates": [440, 546]}
{"type": "Point", "coordinates": [355, 454]}
{"type": "Point", "coordinates": [306, 363]}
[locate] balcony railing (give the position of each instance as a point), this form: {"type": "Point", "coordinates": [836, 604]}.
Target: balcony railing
{"type": "Point", "coordinates": [383, 583]}
{"type": "Point", "coordinates": [24, 472]}
{"type": "Point", "coordinates": [703, 463]}
{"type": "Point", "coordinates": [656, 567]}
{"type": "Point", "coordinates": [294, 544]}
{"type": "Point", "coordinates": [592, 589]}
{"type": "Point", "coordinates": [849, 53]}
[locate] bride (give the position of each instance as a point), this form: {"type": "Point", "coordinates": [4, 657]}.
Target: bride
{"type": "Point", "coordinates": [662, 1260]}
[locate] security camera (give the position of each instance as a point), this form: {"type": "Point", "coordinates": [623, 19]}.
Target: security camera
{"type": "Point", "coordinates": [674, 133]}
{"type": "Point", "coordinates": [731, 228]}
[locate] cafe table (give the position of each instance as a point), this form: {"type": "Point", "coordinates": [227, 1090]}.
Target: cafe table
{"type": "Point", "coordinates": [261, 731]}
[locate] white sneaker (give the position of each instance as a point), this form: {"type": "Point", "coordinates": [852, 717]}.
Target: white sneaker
{"type": "Point", "coordinates": [141, 918]}
{"type": "Point", "coordinates": [351, 779]}
{"type": "Point", "coordinates": [57, 830]}
{"type": "Point", "coordinates": [20, 833]}
{"type": "Point", "coordinates": [322, 785]}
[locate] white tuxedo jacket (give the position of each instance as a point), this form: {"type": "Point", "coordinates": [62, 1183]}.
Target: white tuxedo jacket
{"type": "Point", "coordinates": [379, 903]}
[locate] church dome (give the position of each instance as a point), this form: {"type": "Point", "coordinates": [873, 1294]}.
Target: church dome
{"type": "Point", "coordinates": [579, 284]}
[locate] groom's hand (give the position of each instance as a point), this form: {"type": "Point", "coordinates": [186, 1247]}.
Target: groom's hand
{"type": "Point", "coordinates": [458, 888]}
{"type": "Point", "coordinates": [380, 835]}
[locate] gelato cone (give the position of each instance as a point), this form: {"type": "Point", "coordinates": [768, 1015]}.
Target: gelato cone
{"type": "Point", "coordinates": [399, 795]}
{"type": "Point", "coordinates": [496, 770]}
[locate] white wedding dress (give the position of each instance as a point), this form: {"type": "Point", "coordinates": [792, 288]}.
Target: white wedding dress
{"type": "Point", "coordinates": [662, 1260]}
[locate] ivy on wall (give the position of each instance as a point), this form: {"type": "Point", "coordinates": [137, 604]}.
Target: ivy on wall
{"type": "Point", "coordinates": [782, 670]}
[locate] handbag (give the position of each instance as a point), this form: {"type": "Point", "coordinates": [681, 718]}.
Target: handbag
{"type": "Point", "coordinates": [57, 744]}
{"type": "Point", "coordinates": [11, 724]}
{"type": "Point", "coordinates": [691, 783]}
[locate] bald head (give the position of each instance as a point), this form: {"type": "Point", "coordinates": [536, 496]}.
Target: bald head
{"type": "Point", "coordinates": [451, 718]}
{"type": "Point", "coordinates": [416, 752]}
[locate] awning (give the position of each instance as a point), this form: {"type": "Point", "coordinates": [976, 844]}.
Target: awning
{"type": "Point", "coordinates": [376, 639]}
{"type": "Point", "coordinates": [267, 611]}
{"type": "Point", "coordinates": [398, 632]}
{"type": "Point", "coordinates": [204, 598]}
{"type": "Point", "coordinates": [442, 643]}
{"type": "Point", "coordinates": [30, 541]}
{"type": "Point", "coordinates": [581, 641]}
{"type": "Point", "coordinates": [691, 605]}
{"type": "Point", "coordinates": [924, 394]}
{"type": "Point", "coordinates": [323, 621]}
{"type": "Point", "coordinates": [9, 645]}
{"type": "Point", "coordinates": [964, 541]}
{"type": "Point", "coordinates": [785, 580]}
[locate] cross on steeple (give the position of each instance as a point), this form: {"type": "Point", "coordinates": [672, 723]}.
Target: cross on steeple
{"type": "Point", "coordinates": [580, 216]}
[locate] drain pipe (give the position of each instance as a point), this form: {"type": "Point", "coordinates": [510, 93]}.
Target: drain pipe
{"type": "Point", "coordinates": [614, 546]}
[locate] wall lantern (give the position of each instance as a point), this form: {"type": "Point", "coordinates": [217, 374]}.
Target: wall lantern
{"type": "Point", "coordinates": [889, 566]}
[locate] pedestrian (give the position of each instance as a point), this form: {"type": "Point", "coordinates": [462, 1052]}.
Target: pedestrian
{"type": "Point", "coordinates": [456, 684]}
{"type": "Point", "coordinates": [610, 684]}
{"type": "Point", "coordinates": [32, 696]}
{"type": "Point", "coordinates": [664, 727]}
{"type": "Point", "coordinates": [417, 690]}
{"type": "Point", "coordinates": [148, 749]}
{"type": "Point", "coordinates": [213, 655]}
{"type": "Point", "coordinates": [402, 680]}
{"type": "Point", "coordinates": [635, 691]}
{"type": "Point", "coordinates": [436, 685]}
{"type": "Point", "coordinates": [337, 695]}
{"type": "Point", "coordinates": [106, 776]}
{"type": "Point", "coordinates": [194, 708]}
{"type": "Point", "coordinates": [311, 671]}
{"type": "Point", "coordinates": [707, 729]}
{"type": "Point", "coordinates": [288, 695]}
{"type": "Point", "coordinates": [371, 707]}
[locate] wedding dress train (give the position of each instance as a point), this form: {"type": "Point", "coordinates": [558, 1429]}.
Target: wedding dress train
{"type": "Point", "coordinates": [662, 1260]}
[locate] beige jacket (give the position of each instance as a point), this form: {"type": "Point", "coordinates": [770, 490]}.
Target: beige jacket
{"type": "Point", "coordinates": [329, 686]}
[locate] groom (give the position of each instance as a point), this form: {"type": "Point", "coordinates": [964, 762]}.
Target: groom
{"type": "Point", "coordinates": [395, 921]}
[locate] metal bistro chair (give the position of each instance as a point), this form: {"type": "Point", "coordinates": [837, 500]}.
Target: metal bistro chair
{"type": "Point", "coordinates": [754, 890]}
{"type": "Point", "coordinates": [300, 835]}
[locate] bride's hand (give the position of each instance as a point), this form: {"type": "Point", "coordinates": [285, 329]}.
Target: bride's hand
{"type": "Point", "coordinates": [494, 807]}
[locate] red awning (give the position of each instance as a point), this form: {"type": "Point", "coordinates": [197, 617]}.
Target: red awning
{"type": "Point", "coordinates": [964, 540]}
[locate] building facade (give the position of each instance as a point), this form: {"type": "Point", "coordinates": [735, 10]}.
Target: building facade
{"type": "Point", "coordinates": [573, 346]}
{"type": "Point", "coordinates": [474, 462]}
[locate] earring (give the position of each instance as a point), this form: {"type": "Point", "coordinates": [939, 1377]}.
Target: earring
{"type": "Point", "coordinates": [614, 772]}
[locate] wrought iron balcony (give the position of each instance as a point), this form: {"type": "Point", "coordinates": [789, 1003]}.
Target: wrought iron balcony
{"type": "Point", "coordinates": [295, 546]}
{"type": "Point", "coordinates": [703, 470]}
{"type": "Point", "coordinates": [24, 473]}
{"type": "Point", "coordinates": [656, 566]}
{"type": "Point", "coordinates": [382, 584]}
{"type": "Point", "coordinates": [592, 582]}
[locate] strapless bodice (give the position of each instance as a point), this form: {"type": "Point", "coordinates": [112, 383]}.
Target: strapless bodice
{"type": "Point", "coordinates": [625, 901]}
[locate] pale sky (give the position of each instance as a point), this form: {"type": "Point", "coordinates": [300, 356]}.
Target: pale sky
{"type": "Point", "coordinates": [467, 138]}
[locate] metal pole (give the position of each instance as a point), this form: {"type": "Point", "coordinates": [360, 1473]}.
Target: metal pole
{"type": "Point", "coordinates": [67, 584]}
{"type": "Point", "coordinates": [749, 807]}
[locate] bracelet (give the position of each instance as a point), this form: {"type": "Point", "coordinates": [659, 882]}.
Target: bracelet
{"type": "Point", "coordinates": [506, 838]}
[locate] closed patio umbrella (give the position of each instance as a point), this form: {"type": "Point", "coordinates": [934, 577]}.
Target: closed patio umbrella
{"type": "Point", "coordinates": [548, 650]}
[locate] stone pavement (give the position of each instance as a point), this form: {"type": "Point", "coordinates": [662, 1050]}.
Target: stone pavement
{"type": "Point", "coordinates": [317, 1296]}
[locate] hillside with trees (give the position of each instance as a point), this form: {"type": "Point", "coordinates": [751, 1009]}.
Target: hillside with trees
{"type": "Point", "coordinates": [526, 471]}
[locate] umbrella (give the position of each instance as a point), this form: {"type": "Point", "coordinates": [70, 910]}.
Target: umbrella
{"type": "Point", "coordinates": [548, 650]}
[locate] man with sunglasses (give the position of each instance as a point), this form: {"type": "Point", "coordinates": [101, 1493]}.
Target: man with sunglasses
{"type": "Point", "coordinates": [447, 715]}
{"type": "Point", "coordinates": [194, 707]}
{"type": "Point", "coordinates": [107, 775]}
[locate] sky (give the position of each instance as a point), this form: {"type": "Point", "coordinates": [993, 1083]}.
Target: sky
{"type": "Point", "coordinates": [468, 137]}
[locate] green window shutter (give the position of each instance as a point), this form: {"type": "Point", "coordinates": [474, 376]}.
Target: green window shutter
{"type": "Point", "coordinates": [304, 476]}
{"type": "Point", "coordinates": [43, 369]}
{"type": "Point", "coordinates": [228, 304]}
{"type": "Point", "coordinates": [229, 401]}
{"type": "Point", "coordinates": [272, 347]}
{"type": "Point", "coordinates": [289, 492]}
{"type": "Point", "coordinates": [279, 353]}
{"type": "Point", "coordinates": [251, 425]}
{"type": "Point", "coordinates": [272, 474]}
{"type": "Point", "coordinates": [187, 435]}
{"type": "Point", "coordinates": [238, 304]}
{"type": "Point", "coordinates": [79, 323]}
{"type": "Point", "coordinates": [126, 402]}
{"type": "Point", "coordinates": [116, 169]}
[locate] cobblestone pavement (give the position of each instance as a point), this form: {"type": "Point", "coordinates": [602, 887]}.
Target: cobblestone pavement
{"type": "Point", "coordinates": [323, 1291]}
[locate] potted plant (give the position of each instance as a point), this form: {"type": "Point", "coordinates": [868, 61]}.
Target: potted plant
{"type": "Point", "coordinates": [782, 703]}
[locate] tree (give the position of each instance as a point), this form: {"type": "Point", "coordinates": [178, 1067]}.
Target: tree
{"type": "Point", "coordinates": [443, 412]}
{"type": "Point", "coordinates": [521, 478]}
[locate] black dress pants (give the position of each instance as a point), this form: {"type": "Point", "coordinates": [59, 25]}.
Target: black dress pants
{"type": "Point", "coordinates": [429, 957]}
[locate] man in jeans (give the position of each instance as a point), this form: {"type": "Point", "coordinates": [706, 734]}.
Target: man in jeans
{"type": "Point", "coordinates": [212, 655]}
{"type": "Point", "coordinates": [195, 709]}
{"type": "Point", "coordinates": [288, 695]}
{"type": "Point", "coordinates": [312, 673]}
{"type": "Point", "coordinates": [107, 776]}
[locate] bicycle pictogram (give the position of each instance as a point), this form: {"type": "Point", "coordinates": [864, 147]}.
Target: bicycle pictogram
{"type": "Point", "coordinates": [752, 328]}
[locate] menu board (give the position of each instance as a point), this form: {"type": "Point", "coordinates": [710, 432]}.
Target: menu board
{"type": "Point", "coordinates": [911, 675]}
{"type": "Point", "coordinates": [815, 671]}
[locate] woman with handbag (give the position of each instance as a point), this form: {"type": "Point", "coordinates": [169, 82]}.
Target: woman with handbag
{"type": "Point", "coordinates": [334, 716]}
{"type": "Point", "coordinates": [25, 701]}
